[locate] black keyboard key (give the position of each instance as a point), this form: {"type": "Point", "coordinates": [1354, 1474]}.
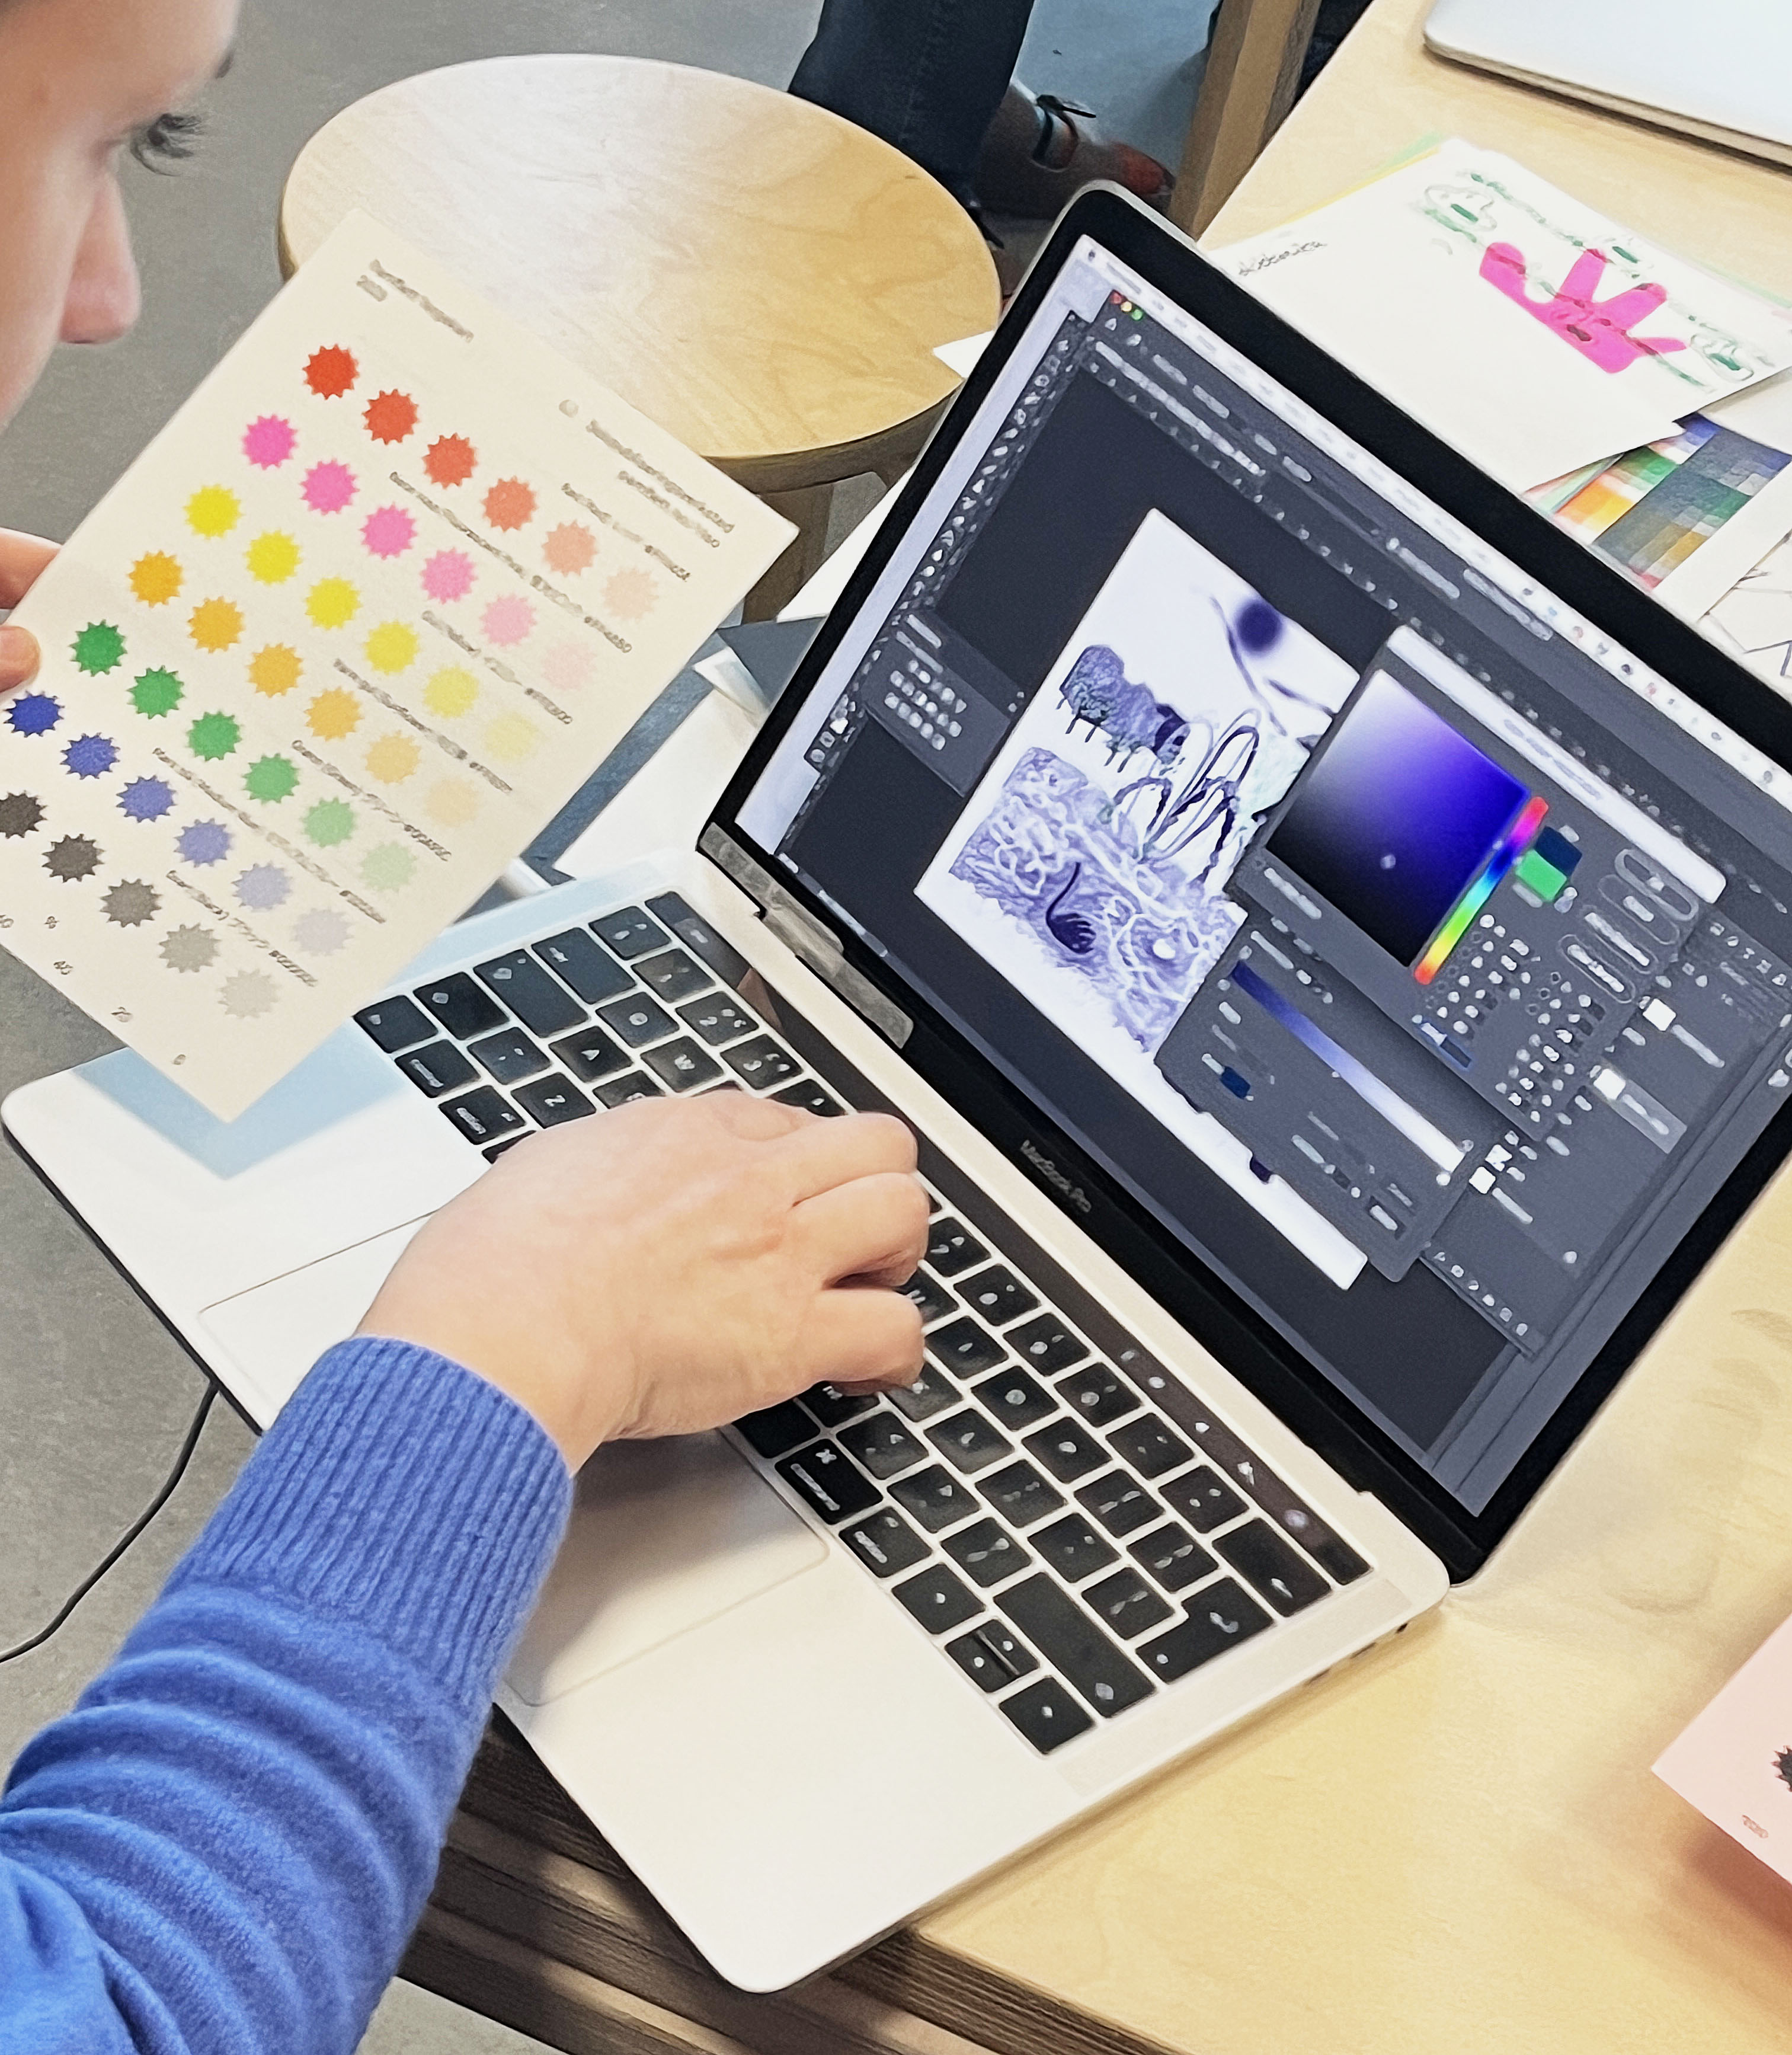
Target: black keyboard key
{"type": "Point", "coordinates": [592, 973]}
{"type": "Point", "coordinates": [554, 1100]}
{"type": "Point", "coordinates": [638, 1019]}
{"type": "Point", "coordinates": [885, 1542]}
{"type": "Point", "coordinates": [1173, 1556]}
{"type": "Point", "coordinates": [935, 1497]}
{"type": "Point", "coordinates": [483, 1115]}
{"type": "Point", "coordinates": [991, 1656]}
{"type": "Point", "coordinates": [440, 1068]}
{"type": "Point", "coordinates": [1014, 1399]}
{"type": "Point", "coordinates": [508, 1056]}
{"type": "Point", "coordinates": [1047, 1714]}
{"type": "Point", "coordinates": [1073, 1548]}
{"type": "Point", "coordinates": [1121, 1506]}
{"type": "Point", "coordinates": [682, 1065]}
{"type": "Point", "coordinates": [938, 1600]}
{"type": "Point", "coordinates": [933, 1391]}
{"type": "Point", "coordinates": [833, 1407]}
{"type": "Point", "coordinates": [776, 1429]}
{"type": "Point", "coordinates": [951, 1249]}
{"type": "Point", "coordinates": [761, 1063]}
{"type": "Point", "coordinates": [537, 998]}
{"type": "Point", "coordinates": [463, 1010]}
{"type": "Point", "coordinates": [1098, 1396]}
{"type": "Point", "coordinates": [1271, 1567]}
{"type": "Point", "coordinates": [1126, 1605]}
{"type": "Point", "coordinates": [717, 1019]}
{"type": "Point", "coordinates": [823, 1479]}
{"type": "Point", "coordinates": [1074, 1645]}
{"type": "Point", "coordinates": [933, 1300]}
{"type": "Point", "coordinates": [1218, 1620]}
{"type": "Point", "coordinates": [808, 1096]}
{"type": "Point", "coordinates": [998, 1295]}
{"type": "Point", "coordinates": [966, 1347]}
{"type": "Point", "coordinates": [1021, 1495]}
{"type": "Point", "coordinates": [631, 1085]}
{"type": "Point", "coordinates": [1046, 1344]}
{"type": "Point", "coordinates": [673, 976]}
{"type": "Point", "coordinates": [501, 1148]}
{"type": "Point", "coordinates": [1151, 1446]}
{"type": "Point", "coordinates": [395, 1024]}
{"type": "Point", "coordinates": [1204, 1499]}
{"type": "Point", "coordinates": [589, 1055]}
{"type": "Point", "coordinates": [1066, 1450]}
{"type": "Point", "coordinates": [985, 1553]}
{"type": "Point", "coordinates": [968, 1443]}
{"type": "Point", "coordinates": [882, 1445]}
{"type": "Point", "coordinates": [630, 933]}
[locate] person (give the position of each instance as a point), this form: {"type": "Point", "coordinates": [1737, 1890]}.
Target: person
{"type": "Point", "coordinates": [935, 78]}
{"type": "Point", "coordinates": [226, 1844]}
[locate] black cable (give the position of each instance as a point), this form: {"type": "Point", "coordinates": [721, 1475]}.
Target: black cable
{"type": "Point", "coordinates": [130, 1534]}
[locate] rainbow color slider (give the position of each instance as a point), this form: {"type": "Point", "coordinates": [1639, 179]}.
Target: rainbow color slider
{"type": "Point", "coordinates": [1513, 844]}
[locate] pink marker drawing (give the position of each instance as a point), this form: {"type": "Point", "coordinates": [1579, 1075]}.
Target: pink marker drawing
{"type": "Point", "coordinates": [1599, 330]}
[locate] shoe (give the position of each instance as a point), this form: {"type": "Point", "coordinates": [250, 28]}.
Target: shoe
{"type": "Point", "coordinates": [1039, 152]}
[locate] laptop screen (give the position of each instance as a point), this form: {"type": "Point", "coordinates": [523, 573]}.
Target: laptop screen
{"type": "Point", "coordinates": [1415, 955]}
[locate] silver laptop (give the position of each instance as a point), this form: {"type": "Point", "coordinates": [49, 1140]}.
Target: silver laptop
{"type": "Point", "coordinates": [1330, 933]}
{"type": "Point", "coordinates": [1717, 71]}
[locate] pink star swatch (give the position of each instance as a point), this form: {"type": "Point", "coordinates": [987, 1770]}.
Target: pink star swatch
{"type": "Point", "coordinates": [448, 575]}
{"type": "Point", "coordinates": [329, 487]}
{"type": "Point", "coordinates": [388, 531]}
{"type": "Point", "coordinates": [268, 443]}
{"type": "Point", "coordinates": [507, 620]}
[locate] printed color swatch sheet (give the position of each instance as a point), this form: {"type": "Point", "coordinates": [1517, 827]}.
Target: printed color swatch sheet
{"type": "Point", "coordinates": [352, 630]}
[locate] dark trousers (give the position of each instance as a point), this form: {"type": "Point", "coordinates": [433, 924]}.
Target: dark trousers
{"type": "Point", "coordinates": [926, 75]}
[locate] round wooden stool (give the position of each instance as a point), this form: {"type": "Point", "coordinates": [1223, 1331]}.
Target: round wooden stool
{"type": "Point", "coordinates": [763, 279]}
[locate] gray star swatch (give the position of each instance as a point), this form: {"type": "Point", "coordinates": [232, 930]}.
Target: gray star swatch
{"type": "Point", "coordinates": [20, 813]}
{"type": "Point", "coordinates": [72, 858]}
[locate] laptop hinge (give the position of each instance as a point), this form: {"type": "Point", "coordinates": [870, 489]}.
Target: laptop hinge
{"type": "Point", "coordinates": [801, 933]}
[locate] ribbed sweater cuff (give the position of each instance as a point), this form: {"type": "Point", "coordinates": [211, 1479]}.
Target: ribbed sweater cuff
{"type": "Point", "coordinates": [402, 1492]}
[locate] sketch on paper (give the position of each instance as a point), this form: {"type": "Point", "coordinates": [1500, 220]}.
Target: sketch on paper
{"type": "Point", "coordinates": [1753, 621]}
{"type": "Point", "coordinates": [1089, 866]}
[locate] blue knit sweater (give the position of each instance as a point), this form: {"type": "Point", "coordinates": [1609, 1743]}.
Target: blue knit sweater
{"type": "Point", "coordinates": [225, 1845]}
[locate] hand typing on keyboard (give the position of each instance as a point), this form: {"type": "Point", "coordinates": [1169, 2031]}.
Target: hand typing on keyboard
{"type": "Point", "coordinates": [673, 1266]}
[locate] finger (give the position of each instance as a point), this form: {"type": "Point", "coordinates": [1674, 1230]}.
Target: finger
{"type": "Point", "coordinates": [873, 1230]}
{"type": "Point", "coordinates": [18, 658]}
{"type": "Point", "coordinates": [21, 558]}
{"type": "Point", "coordinates": [856, 1337]}
{"type": "Point", "coordinates": [825, 1153]}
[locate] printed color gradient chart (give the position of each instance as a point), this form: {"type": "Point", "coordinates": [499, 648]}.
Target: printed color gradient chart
{"type": "Point", "coordinates": [344, 638]}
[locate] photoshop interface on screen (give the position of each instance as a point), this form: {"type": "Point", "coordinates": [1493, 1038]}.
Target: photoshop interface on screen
{"type": "Point", "coordinates": [1386, 939]}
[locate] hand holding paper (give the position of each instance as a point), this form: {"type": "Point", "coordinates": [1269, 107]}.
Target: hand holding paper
{"type": "Point", "coordinates": [21, 558]}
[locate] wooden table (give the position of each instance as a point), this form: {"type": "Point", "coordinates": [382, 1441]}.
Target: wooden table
{"type": "Point", "coordinates": [759, 276]}
{"type": "Point", "coordinates": [1452, 1846]}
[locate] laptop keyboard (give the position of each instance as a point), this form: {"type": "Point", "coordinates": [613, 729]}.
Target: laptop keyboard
{"type": "Point", "coordinates": [1070, 1549]}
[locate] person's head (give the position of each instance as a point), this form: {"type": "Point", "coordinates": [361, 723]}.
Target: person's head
{"type": "Point", "coordinates": [79, 80]}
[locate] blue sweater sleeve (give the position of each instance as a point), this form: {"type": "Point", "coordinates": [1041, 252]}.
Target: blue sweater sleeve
{"type": "Point", "coordinates": [227, 1844]}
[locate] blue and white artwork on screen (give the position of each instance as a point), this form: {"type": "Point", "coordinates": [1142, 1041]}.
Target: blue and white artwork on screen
{"type": "Point", "coordinates": [1090, 863]}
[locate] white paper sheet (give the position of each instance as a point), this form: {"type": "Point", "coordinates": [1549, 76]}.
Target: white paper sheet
{"type": "Point", "coordinates": [342, 641]}
{"type": "Point", "coordinates": [1527, 329]}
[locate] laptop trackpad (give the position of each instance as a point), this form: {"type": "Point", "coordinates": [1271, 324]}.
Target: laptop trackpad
{"type": "Point", "coordinates": [664, 1536]}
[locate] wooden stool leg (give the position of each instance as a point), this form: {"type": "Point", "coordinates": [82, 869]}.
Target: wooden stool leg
{"type": "Point", "coordinates": [809, 507]}
{"type": "Point", "coordinates": [1253, 65]}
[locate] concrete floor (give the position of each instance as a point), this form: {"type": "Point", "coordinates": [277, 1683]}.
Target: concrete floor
{"type": "Point", "coordinates": [94, 1396]}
